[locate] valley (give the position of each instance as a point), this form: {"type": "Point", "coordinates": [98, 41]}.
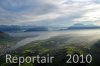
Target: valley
{"type": "Point", "coordinates": [58, 44]}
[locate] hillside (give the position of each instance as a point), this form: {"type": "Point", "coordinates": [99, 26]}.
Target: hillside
{"type": "Point", "coordinates": [4, 35]}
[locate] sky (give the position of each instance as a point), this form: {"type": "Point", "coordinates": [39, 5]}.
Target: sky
{"type": "Point", "coordinates": [49, 12]}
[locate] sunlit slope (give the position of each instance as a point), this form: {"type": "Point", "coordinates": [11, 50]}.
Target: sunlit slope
{"type": "Point", "coordinates": [60, 46]}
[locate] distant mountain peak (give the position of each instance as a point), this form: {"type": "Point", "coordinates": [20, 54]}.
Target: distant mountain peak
{"type": "Point", "coordinates": [84, 26]}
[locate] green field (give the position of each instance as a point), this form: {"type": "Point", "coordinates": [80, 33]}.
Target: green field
{"type": "Point", "coordinates": [58, 47]}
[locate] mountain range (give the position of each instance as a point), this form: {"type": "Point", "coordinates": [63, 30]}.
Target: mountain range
{"type": "Point", "coordinates": [30, 28]}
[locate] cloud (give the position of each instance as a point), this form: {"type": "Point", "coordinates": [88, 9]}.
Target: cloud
{"type": "Point", "coordinates": [49, 11]}
{"type": "Point", "coordinates": [92, 14]}
{"type": "Point", "coordinates": [25, 10]}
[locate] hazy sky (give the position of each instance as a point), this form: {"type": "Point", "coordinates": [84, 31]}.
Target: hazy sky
{"type": "Point", "coordinates": [49, 12]}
